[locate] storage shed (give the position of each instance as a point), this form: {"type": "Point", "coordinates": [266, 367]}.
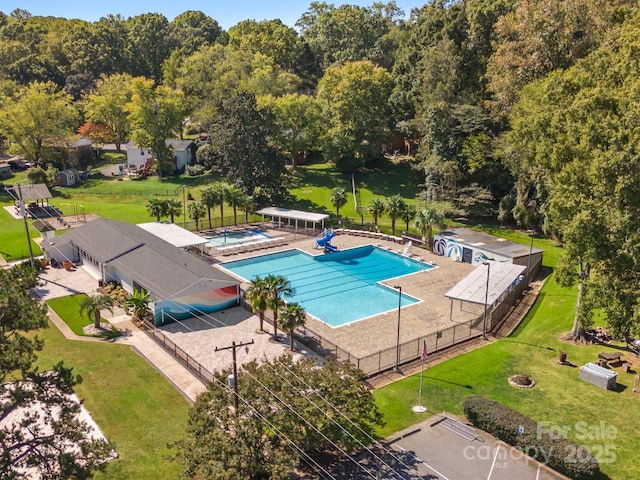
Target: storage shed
{"type": "Point", "coordinates": [66, 178]}
{"type": "Point", "coordinates": [600, 376]}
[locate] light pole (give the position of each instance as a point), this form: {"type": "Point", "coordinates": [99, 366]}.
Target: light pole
{"type": "Point", "coordinates": [486, 301]}
{"type": "Point", "coordinates": [533, 234]}
{"type": "Point", "coordinates": [397, 367]}
{"type": "Point", "coordinates": [184, 207]}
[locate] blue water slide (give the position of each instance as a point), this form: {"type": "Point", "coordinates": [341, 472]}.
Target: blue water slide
{"type": "Point", "coordinates": [324, 240]}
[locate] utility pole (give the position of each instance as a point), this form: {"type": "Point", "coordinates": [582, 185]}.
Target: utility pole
{"type": "Point", "coordinates": [233, 347]}
{"type": "Point", "coordinates": [23, 212]}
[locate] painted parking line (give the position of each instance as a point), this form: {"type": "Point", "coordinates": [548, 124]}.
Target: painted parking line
{"type": "Point", "coordinates": [444, 477]}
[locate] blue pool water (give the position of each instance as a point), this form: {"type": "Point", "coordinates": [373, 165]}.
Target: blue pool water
{"type": "Point", "coordinates": [237, 238]}
{"type": "Point", "coordinates": [336, 288]}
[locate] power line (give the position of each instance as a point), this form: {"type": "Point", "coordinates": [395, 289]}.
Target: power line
{"type": "Point", "coordinates": [304, 393]}
{"type": "Point", "coordinates": [337, 447]}
{"type": "Point", "coordinates": [307, 458]}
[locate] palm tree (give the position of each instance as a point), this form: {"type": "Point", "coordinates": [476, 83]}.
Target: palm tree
{"type": "Point", "coordinates": [196, 212]}
{"type": "Point", "coordinates": [338, 199]}
{"type": "Point", "coordinates": [220, 190]}
{"type": "Point", "coordinates": [426, 220]}
{"type": "Point", "coordinates": [247, 205]}
{"type": "Point", "coordinates": [92, 306]}
{"type": "Point", "coordinates": [394, 206]}
{"type": "Point", "coordinates": [408, 214]}
{"type": "Point", "coordinates": [157, 208]}
{"type": "Point", "coordinates": [174, 209]}
{"type": "Point", "coordinates": [277, 287]}
{"type": "Point", "coordinates": [292, 316]}
{"type": "Point", "coordinates": [209, 199]}
{"type": "Point", "coordinates": [257, 295]}
{"type": "Point", "coordinates": [376, 208]}
{"type": "Point", "coordinates": [139, 303]}
{"type": "Point", "coordinates": [233, 196]}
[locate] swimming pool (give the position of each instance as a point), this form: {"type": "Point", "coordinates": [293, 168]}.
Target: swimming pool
{"type": "Point", "coordinates": [229, 239]}
{"type": "Point", "coordinates": [337, 288]}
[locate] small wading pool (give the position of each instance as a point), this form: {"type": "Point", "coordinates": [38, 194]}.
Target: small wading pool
{"type": "Point", "coordinates": [336, 288]}
{"type": "Point", "coordinates": [237, 238]}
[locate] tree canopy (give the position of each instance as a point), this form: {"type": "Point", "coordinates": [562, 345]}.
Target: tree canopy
{"type": "Point", "coordinates": [288, 412]}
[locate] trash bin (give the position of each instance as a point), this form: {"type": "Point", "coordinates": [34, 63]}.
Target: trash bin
{"type": "Point", "coordinates": [562, 358]}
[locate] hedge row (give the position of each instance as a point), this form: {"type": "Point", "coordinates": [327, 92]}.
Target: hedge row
{"type": "Point", "coordinates": [510, 426]}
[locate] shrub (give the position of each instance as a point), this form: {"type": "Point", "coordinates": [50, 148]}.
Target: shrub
{"type": "Point", "coordinates": [559, 453]}
{"type": "Point", "coordinates": [194, 170]}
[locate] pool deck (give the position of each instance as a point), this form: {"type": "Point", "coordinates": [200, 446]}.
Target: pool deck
{"type": "Point", "coordinates": [377, 333]}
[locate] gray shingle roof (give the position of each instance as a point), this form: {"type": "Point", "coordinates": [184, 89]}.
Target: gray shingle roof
{"type": "Point", "coordinates": [152, 262]}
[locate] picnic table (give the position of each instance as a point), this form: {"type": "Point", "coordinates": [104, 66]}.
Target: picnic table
{"type": "Point", "coordinates": [609, 357]}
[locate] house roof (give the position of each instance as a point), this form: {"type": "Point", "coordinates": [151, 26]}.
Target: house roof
{"type": "Point", "coordinates": [489, 243]}
{"type": "Point", "coordinates": [30, 193]}
{"type": "Point", "coordinates": [81, 142]}
{"type": "Point", "coordinates": [177, 145]}
{"type": "Point", "coordinates": [152, 262]}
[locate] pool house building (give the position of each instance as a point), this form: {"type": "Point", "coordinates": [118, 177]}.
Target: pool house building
{"type": "Point", "coordinates": [180, 284]}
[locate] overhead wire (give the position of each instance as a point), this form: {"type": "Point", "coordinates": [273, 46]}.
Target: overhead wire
{"type": "Point", "coordinates": [162, 292]}
{"type": "Point", "coordinates": [304, 394]}
{"type": "Point", "coordinates": [295, 412]}
{"type": "Point", "coordinates": [307, 458]}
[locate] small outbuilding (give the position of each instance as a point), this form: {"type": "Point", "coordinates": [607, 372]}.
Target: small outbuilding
{"type": "Point", "coordinates": [469, 246]}
{"type": "Point", "coordinates": [66, 178]}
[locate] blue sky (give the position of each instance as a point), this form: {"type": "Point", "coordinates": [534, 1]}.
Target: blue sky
{"type": "Point", "coordinates": [227, 13]}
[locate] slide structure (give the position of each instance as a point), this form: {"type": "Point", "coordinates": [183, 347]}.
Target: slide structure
{"type": "Point", "coordinates": [324, 241]}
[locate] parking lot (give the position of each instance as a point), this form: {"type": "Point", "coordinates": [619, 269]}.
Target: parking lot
{"type": "Point", "coordinates": [444, 449]}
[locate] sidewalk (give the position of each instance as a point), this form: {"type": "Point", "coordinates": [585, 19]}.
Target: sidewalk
{"type": "Point", "coordinates": [187, 383]}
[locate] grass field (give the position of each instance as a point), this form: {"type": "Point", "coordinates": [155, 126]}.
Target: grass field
{"type": "Point", "coordinates": [134, 405]}
{"type": "Point", "coordinates": [126, 199]}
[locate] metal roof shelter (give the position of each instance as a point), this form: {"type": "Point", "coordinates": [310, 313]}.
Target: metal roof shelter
{"type": "Point", "coordinates": [173, 234]}
{"type": "Point", "coordinates": [289, 214]}
{"type": "Point", "coordinates": [30, 193]}
{"type": "Point", "coordinates": [475, 288]}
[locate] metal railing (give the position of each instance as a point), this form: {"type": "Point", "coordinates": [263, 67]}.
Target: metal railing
{"type": "Point", "coordinates": [376, 362]}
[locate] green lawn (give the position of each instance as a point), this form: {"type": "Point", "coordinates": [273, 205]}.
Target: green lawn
{"type": "Point", "coordinates": [68, 309]}
{"type": "Point", "coordinates": [559, 397]}
{"type": "Point", "coordinates": [126, 199]}
{"type": "Point", "coordinates": [134, 405]}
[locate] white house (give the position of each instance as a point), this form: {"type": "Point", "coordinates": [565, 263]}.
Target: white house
{"type": "Point", "coordinates": [184, 153]}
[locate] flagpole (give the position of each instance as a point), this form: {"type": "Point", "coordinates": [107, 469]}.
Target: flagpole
{"type": "Point", "coordinates": [420, 408]}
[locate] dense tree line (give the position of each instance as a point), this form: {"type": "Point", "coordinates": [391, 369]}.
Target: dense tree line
{"type": "Point", "coordinates": [520, 110]}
